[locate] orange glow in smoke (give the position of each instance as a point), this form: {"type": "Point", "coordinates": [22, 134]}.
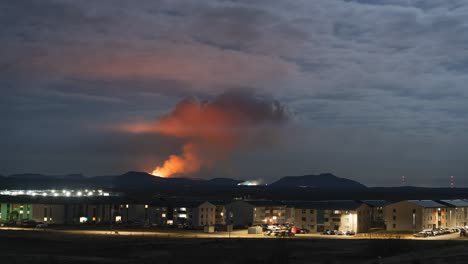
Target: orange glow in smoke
{"type": "Point", "coordinates": [211, 130]}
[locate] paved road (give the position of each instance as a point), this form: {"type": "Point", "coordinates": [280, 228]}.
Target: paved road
{"type": "Point", "coordinates": [234, 234]}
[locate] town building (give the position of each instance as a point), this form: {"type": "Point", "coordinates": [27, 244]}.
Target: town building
{"type": "Point", "coordinates": [377, 212]}
{"type": "Point", "coordinates": [195, 214]}
{"type": "Point", "coordinates": [457, 212]}
{"type": "Point", "coordinates": [221, 218]}
{"type": "Point", "coordinates": [318, 216]}
{"type": "Point", "coordinates": [415, 215]}
{"type": "Point", "coordinates": [256, 212]}
{"type": "Point", "coordinates": [15, 212]}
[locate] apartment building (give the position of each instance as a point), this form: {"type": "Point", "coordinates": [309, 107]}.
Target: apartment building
{"type": "Point", "coordinates": [318, 216]}
{"type": "Point", "coordinates": [15, 212]}
{"type": "Point", "coordinates": [256, 212]}
{"type": "Point", "coordinates": [457, 212]}
{"type": "Point", "coordinates": [416, 215]}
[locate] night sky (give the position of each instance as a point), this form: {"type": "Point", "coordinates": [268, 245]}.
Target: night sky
{"type": "Point", "coordinates": [372, 89]}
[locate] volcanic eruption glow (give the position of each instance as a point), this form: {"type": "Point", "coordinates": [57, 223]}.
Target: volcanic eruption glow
{"type": "Point", "coordinates": [212, 129]}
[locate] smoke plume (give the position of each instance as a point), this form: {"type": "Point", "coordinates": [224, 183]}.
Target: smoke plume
{"type": "Point", "coordinates": [213, 129]}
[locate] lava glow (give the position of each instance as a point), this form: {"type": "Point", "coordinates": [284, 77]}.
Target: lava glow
{"type": "Point", "coordinates": [187, 163]}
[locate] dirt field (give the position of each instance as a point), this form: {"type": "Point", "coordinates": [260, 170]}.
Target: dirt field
{"type": "Point", "coordinates": [49, 247]}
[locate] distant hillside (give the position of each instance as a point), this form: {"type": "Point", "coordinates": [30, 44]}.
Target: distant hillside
{"type": "Point", "coordinates": [129, 180]}
{"type": "Point", "coordinates": [321, 181]}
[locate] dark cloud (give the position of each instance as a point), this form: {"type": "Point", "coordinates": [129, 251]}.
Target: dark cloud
{"type": "Point", "coordinates": [393, 67]}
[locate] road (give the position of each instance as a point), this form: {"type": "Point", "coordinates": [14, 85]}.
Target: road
{"type": "Point", "coordinates": [234, 234]}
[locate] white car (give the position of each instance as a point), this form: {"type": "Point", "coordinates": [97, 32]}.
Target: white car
{"type": "Point", "coordinates": [273, 227]}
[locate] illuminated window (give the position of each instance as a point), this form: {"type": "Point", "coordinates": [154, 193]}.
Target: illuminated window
{"type": "Point", "coordinates": [163, 215]}
{"type": "Point", "coordinates": [45, 219]}
{"type": "Point", "coordinates": [118, 218]}
{"type": "Point", "coordinates": [83, 219]}
{"type": "Point", "coordinates": [170, 222]}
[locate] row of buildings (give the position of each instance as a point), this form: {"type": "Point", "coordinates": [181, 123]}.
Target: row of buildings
{"type": "Point", "coordinates": [317, 216]}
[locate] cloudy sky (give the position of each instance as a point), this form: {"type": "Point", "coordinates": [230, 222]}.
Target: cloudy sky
{"type": "Point", "coordinates": [376, 89]}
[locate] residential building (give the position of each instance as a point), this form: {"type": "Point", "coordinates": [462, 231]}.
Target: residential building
{"type": "Point", "coordinates": [415, 215]}
{"type": "Point", "coordinates": [221, 218]}
{"type": "Point", "coordinates": [377, 212]}
{"type": "Point", "coordinates": [318, 216]}
{"type": "Point", "coordinates": [194, 214]}
{"type": "Point", "coordinates": [15, 212]}
{"type": "Point", "coordinates": [48, 213]}
{"type": "Point", "coordinates": [256, 212]}
{"type": "Point", "coordinates": [457, 212]}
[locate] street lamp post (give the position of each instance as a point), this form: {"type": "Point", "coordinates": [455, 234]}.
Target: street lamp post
{"type": "Point", "coordinates": [230, 220]}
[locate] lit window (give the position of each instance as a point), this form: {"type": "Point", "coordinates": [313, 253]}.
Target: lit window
{"type": "Point", "coordinates": [146, 206]}
{"type": "Point", "coordinates": [83, 219]}
{"type": "Point", "coordinates": [45, 219]}
{"type": "Point", "coordinates": [163, 215]}
{"type": "Point", "coordinates": [118, 218]}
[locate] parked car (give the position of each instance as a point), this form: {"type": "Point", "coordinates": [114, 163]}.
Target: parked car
{"type": "Point", "coordinates": [445, 230]}
{"type": "Point", "coordinates": [304, 231]}
{"type": "Point", "coordinates": [283, 234]}
{"type": "Point", "coordinates": [29, 223]}
{"type": "Point", "coordinates": [328, 232]}
{"type": "Point", "coordinates": [350, 233]}
{"type": "Point", "coordinates": [429, 232]}
{"type": "Point", "coordinates": [41, 225]}
{"type": "Point", "coordinates": [463, 232]}
{"type": "Point", "coordinates": [273, 227]}
{"type": "Point", "coordinates": [420, 234]}
{"type": "Point", "coordinates": [340, 233]}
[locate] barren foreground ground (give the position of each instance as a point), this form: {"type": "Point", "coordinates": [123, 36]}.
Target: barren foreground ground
{"type": "Point", "coordinates": [49, 247]}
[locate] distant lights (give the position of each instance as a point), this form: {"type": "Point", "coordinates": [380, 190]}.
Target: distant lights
{"type": "Point", "coordinates": [248, 183]}
{"type": "Point", "coordinates": [55, 193]}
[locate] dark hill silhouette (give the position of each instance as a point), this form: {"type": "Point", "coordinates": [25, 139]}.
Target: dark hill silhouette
{"type": "Point", "coordinates": [321, 181]}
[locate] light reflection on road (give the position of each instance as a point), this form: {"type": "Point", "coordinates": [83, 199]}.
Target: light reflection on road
{"type": "Point", "coordinates": [234, 234]}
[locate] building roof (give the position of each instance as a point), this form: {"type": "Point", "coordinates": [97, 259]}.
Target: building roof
{"type": "Point", "coordinates": [325, 205]}
{"type": "Point", "coordinates": [455, 203]}
{"type": "Point", "coordinates": [264, 203]}
{"type": "Point", "coordinates": [376, 203]}
{"type": "Point", "coordinates": [427, 203]}
{"type": "Point", "coordinates": [187, 204]}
